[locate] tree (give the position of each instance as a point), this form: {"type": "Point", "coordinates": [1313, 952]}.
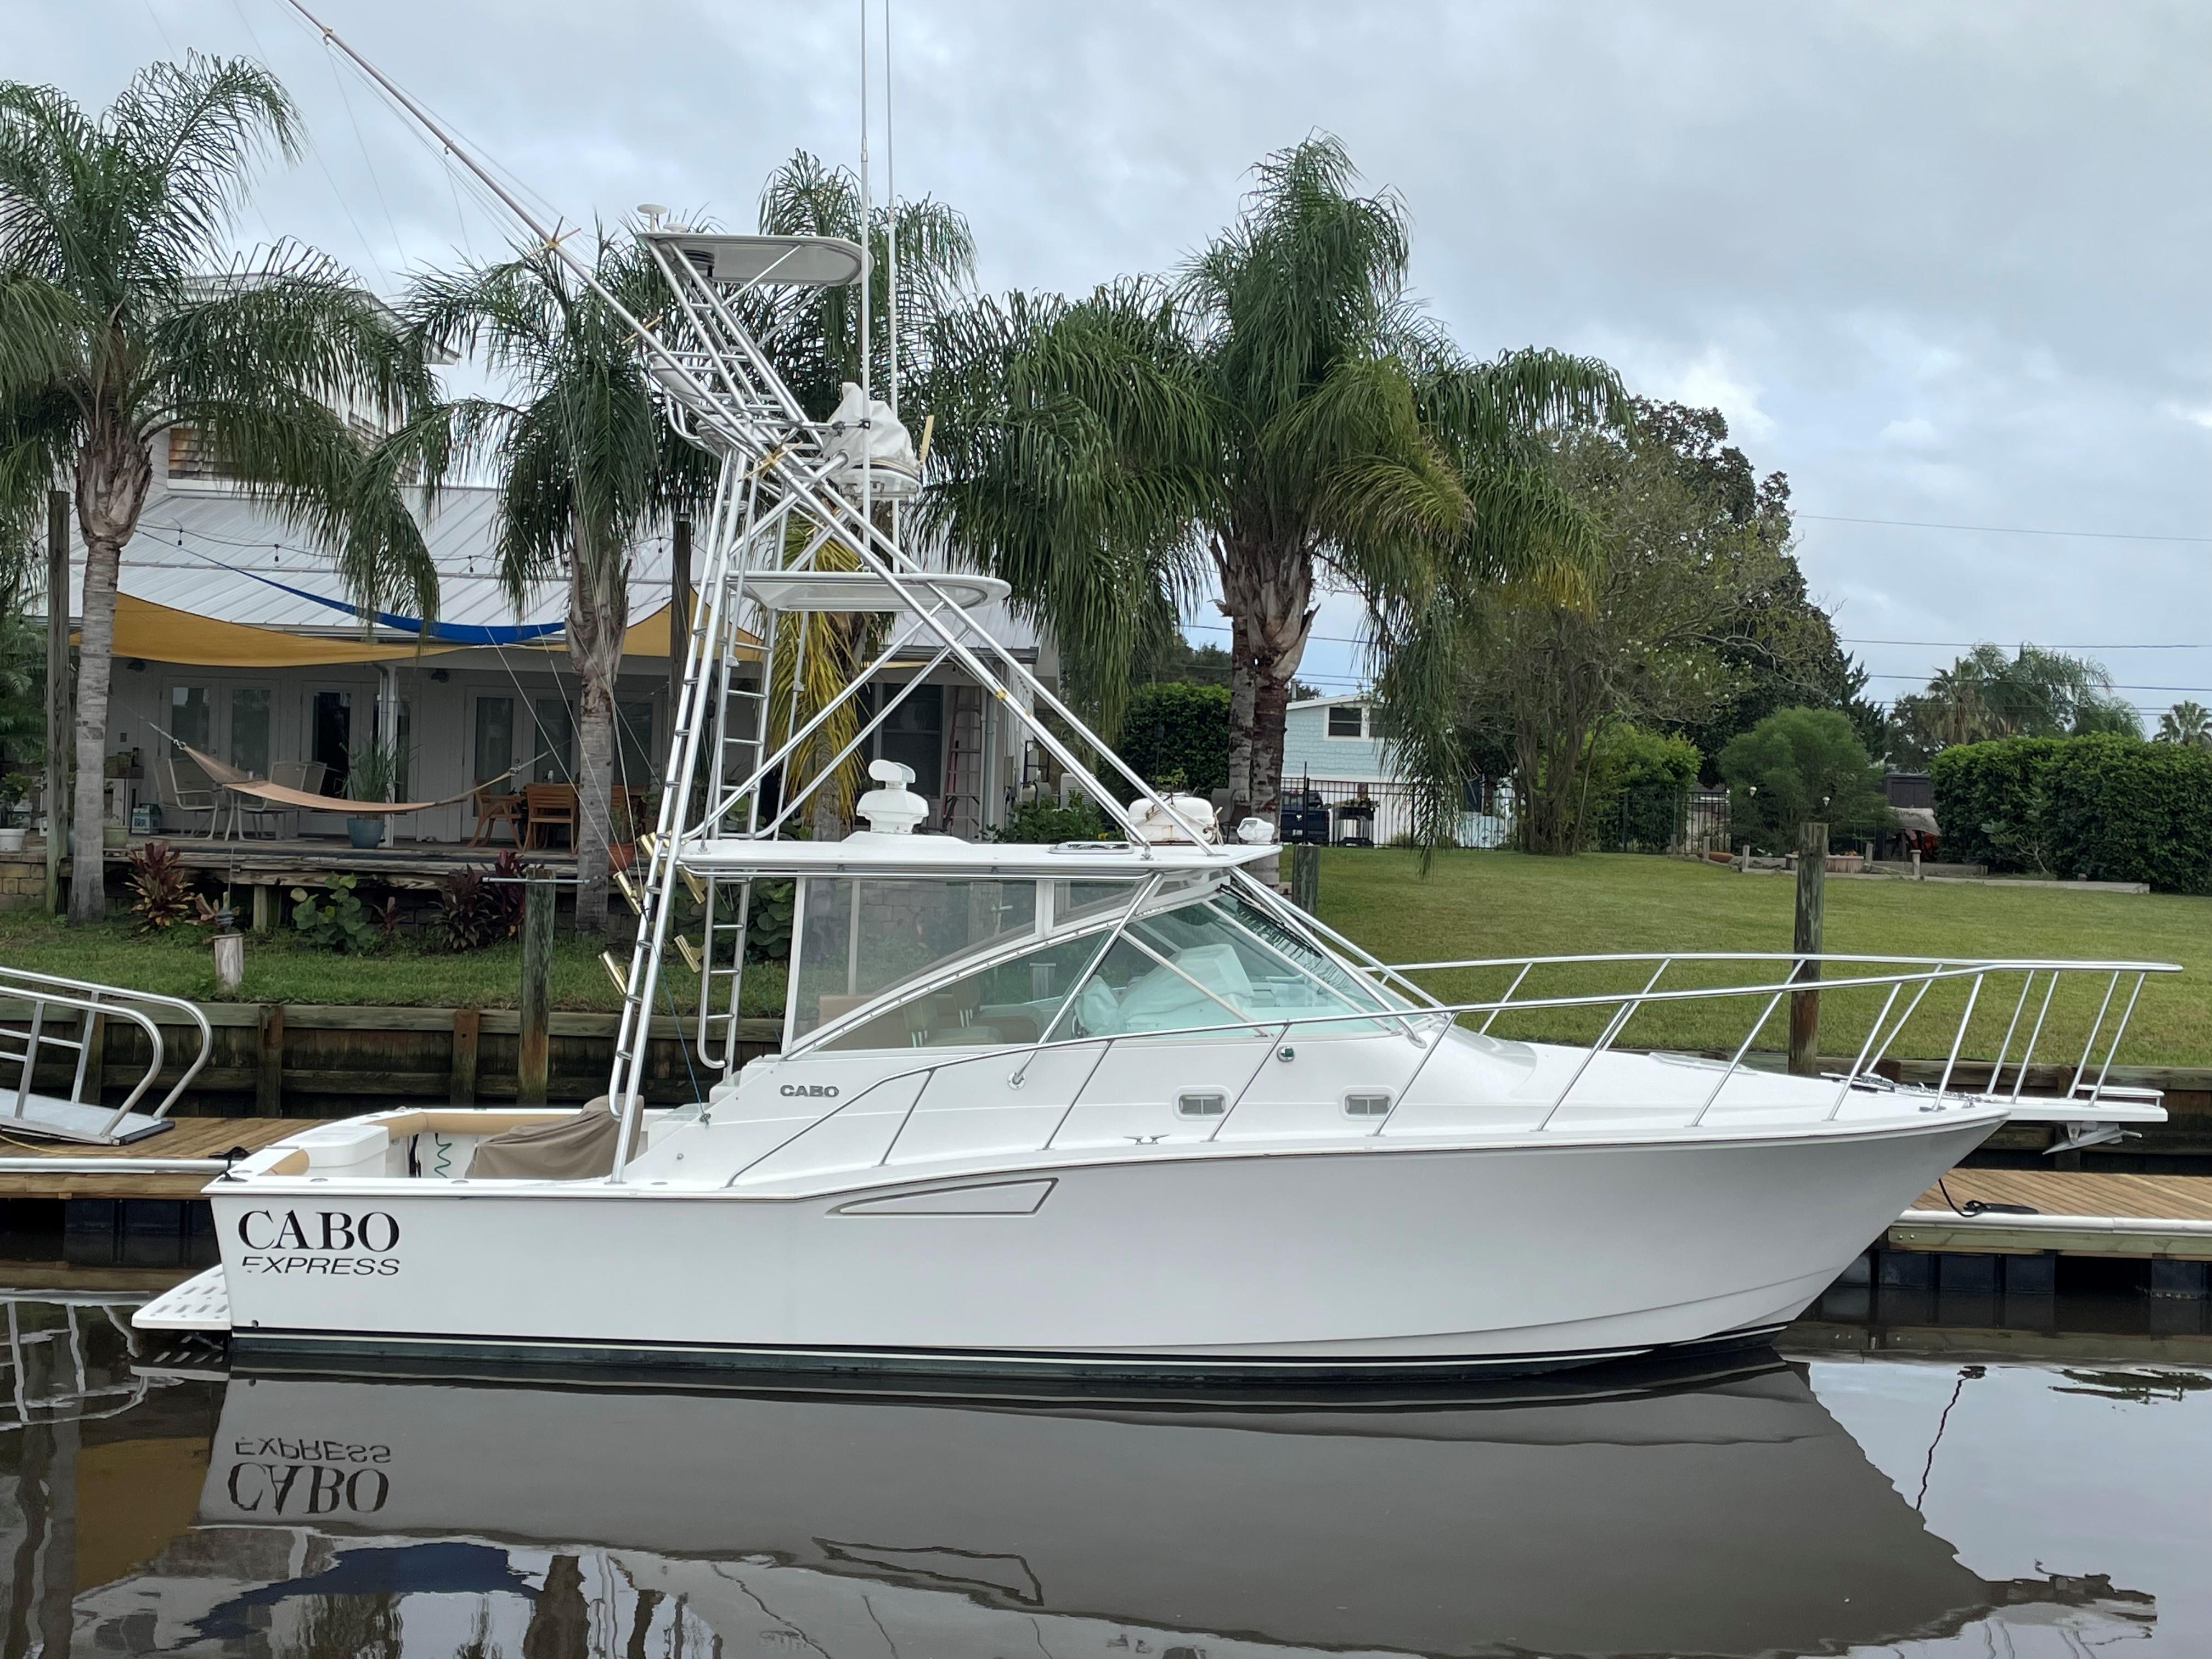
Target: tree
{"type": "Point", "coordinates": [1779, 646]}
{"type": "Point", "coordinates": [1179, 661]}
{"type": "Point", "coordinates": [2186, 722]}
{"type": "Point", "coordinates": [113, 331]}
{"type": "Point", "coordinates": [2033, 693]}
{"type": "Point", "coordinates": [586, 463]}
{"type": "Point", "coordinates": [22, 643]}
{"type": "Point", "coordinates": [813, 337]}
{"type": "Point", "coordinates": [1680, 623]}
{"type": "Point", "coordinates": [1281, 412]}
{"type": "Point", "coordinates": [1796, 765]}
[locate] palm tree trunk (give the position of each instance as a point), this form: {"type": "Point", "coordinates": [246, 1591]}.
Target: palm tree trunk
{"type": "Point", "coordinates": [598, 613]}
{"type": "Point", "coordinates": [1266, 589]}
{"type": "Point", "coordinates": [113, 473]}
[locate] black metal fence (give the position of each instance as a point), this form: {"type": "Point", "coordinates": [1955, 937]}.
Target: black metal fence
{"type": "Point", "coordinates": [1663, 820]}
{"type": "Point", "coordinates": [1343, 813]}
{"type": "Point", "coordinates": [1347, 812]}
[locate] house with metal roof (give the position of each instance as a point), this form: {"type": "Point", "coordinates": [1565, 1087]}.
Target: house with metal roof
{"type": "Point", "coordinates": [234, 633]}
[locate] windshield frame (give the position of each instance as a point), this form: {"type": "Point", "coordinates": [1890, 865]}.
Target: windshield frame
{"type": "Point", "coordinates": [1162, 894]}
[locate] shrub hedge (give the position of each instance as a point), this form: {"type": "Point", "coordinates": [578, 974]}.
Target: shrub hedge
{"type": "Point", "coordinates": [1176, 735]}
{"type": "Point", "coordinates": [2110, 808]}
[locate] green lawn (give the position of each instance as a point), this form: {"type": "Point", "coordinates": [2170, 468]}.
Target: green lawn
{"type": "Point", "coordinates": [1506, 905]}
{"type": "Point", "coordinates": [283, 969]}
{"type": "Point", "coordinates": [1472, 904]}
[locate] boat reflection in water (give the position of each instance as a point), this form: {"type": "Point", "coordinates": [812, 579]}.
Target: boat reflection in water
{"type": "Point", "coordinates": [1722, 1513]}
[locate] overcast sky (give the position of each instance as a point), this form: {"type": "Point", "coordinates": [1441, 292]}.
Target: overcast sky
{"type": "Point", "coordinates": [1941, 264]}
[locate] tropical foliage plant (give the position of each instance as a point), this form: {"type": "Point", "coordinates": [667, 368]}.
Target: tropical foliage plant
{"type": "Point", "coordinates": [478, 908]}
{"type": "Point", "coordinates": [1044, 821]}
{"type": "Point", "coordinates": [122, 318]}
{"type": "Point", "coordinates": [340, 919]}
{"type": "Point", "coordinates": [162, 890]}
{"type": "Point", "coordinates": [1278, 415]}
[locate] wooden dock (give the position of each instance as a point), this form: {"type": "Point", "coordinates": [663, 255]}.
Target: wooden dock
{"type": "Point", "coordinates": [2160, 1217]}
{"type": "Point", "coordinates": [193, 1137]}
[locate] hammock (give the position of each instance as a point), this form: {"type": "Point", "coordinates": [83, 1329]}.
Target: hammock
{"type": "Point", "coordinates": [229, 777]}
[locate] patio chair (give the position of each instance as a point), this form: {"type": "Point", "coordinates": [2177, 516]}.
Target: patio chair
{"type": "Point", "coordinates": [549, 806]}
{"type": "Point", "coordinates": [305, 776]}
{"type": "Point", "coordinates": [188, 788]}
{"type": "Point", "coordinates": [493, 809]}
{"type": "Point", "coordinates": [291, 775]}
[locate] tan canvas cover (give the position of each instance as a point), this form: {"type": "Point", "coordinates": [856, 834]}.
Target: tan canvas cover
{"type": "Point", "coordinates": [560, 1149]}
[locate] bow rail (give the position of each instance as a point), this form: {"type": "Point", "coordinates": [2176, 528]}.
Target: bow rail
{"type": "Point", "coordinates": [1424, 1024]}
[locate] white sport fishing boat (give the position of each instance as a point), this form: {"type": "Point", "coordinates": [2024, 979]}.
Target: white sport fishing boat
{"type": "Point", "coordinates": [1109, 1107]}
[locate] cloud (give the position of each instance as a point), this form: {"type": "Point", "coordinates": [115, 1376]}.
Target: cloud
{"type": "Point", "coordinates": [1941, 261]}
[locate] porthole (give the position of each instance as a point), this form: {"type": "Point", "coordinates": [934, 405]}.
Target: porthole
{"type": "Point", "coordinates": [1367, 1103]}
{"type": "Point", "coordinates": [1201, 1103]}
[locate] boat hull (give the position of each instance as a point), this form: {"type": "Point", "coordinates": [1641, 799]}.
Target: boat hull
{"type": "Point", "coordinates": [1316, 1265]}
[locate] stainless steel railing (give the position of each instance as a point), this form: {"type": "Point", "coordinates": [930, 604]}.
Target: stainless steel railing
{"type": "Point", "coordinates": [28, 997]}
{"type": "Point", "coordinates": [1916, 975]}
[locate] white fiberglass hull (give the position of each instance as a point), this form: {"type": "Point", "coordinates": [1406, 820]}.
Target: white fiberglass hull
{"type": "Point", "coordinates": [1315, 1263]}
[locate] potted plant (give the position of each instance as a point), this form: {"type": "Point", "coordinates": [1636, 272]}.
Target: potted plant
{"type": "Point", "coordinates": [372, 770]}
{"type": "Point", "coordinates": [13, 790]}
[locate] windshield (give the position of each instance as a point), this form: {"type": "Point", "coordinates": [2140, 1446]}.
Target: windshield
{"type": "Point", "coordinates": [1206, 963]}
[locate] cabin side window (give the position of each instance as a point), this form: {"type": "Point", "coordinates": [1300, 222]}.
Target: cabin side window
{"type": "Point", "coordinates": [857, 939]}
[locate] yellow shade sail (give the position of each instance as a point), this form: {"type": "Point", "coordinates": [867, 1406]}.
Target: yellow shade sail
{"type": "Point", "coordinates": [160, 633]}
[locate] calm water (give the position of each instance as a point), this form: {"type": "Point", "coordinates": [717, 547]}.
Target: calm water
{"type": "Point", "coordinates": [1837, 1500]}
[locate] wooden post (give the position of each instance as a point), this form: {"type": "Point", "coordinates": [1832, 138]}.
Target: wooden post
{"type": "Point", "coordinates": [264, 908]}
{"type": "Point", "coordinates": [679, 612]}
{"type": "Point", "coordinates": [269, 1074]}
{"type": "Point", "coordinates": [534, 1063]}
{"type": "Point", "coordinates": [57, 693]}
{"type": "Point", "coordinates": [1805, 1006]}
{"type": "Point", "coordinates": [1305, 877]}
{"type": "Point", "coordinates": [468, 1026]}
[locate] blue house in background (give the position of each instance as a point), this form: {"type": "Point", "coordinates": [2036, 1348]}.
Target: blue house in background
{"type": "Point", "coordinates": [1334, 756]}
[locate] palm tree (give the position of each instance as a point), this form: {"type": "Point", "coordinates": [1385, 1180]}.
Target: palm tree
{"type": "Point", "coordinates": [1282, 412]}
{"type": "Point", "coordinates": [113, 331]}
{"type": "Point", "coordinates": [813, 337]}
{"type": "Point", "coordinates": [2033, 693]}
{"type": "Point", "coordinates": [2187, 722]}
{"type": "Point", "coordinates": [586, 465]}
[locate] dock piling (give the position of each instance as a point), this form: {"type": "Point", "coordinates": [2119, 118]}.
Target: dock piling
{"type": "Point", "coordinates": [535, 1058]}
{"type": "Point", "coordinates": [1805, 1006]}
